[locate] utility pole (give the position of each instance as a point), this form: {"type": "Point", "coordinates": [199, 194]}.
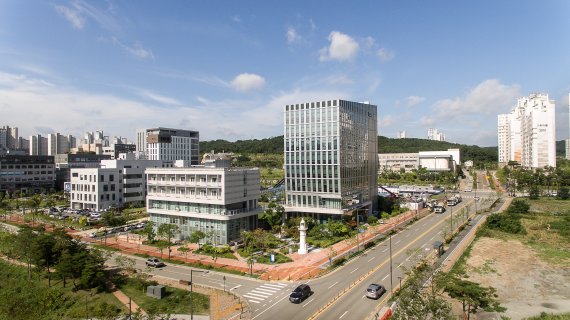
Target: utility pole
{"type": "Point", "coordinates": [391, 285]}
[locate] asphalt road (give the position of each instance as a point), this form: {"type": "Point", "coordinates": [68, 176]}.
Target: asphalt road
{"type": "Point", "coordinates": [270, 299]}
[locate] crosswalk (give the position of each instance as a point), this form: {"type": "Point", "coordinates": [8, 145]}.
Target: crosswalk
{"type": "Point", "coordinates": [265, 292]}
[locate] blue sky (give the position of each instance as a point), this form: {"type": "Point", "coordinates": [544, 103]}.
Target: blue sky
{"type": "Point", "coordinates": [227, 68]}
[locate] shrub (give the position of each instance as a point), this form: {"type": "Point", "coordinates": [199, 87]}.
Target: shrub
{"type": "Point", "coordinates": [338, 262]}
{"type": "Point", "coordinates": [518, 206]}
{"type": "Point", "coordinates": [369, 244]}
{"type": "Point", "coordinates": [372, 220]}
{"type": "Point", "coordinates": [505, 223]}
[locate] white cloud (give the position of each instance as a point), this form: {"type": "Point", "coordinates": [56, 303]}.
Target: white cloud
{"type": "Point", "coordinates": [414, 100]}
{"type": "Point", "coordinates": [136, 50]}
{"type": "Point", "coordinates": [72, 15]}
{"type": "Point", "coordinates": [293, 36]}
{"type": "Point", "coordinates": [369, 42]}
{"type": "Point", "coordinates": [159, 98]}
{"type": "Point", "coordinates": [342, 48]}
{"type": "Point", "coordinates": [236, 19]}
{"type": "Point", "coordinates": [385, 54]}
{"type": "Point", "coordinates": [248, 82]}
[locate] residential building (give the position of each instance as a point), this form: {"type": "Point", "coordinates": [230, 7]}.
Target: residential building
{"type": "Point", "coordinates": [27, 174]}
{"type": "Point", "coordinates": [115, 183]}
{"type": "Point", "coordinates": [219, 201]}
{"type": "Point", "coordinates": [330, 158]}
{"type": "Point", "coordinates": [38, 145]}
{"type": "Point", "coordinates": [532, 128]}
{"type": "Point", "coordinates": [401, 135]}
{"type": "Point", "coordinates": [141, 142]}
{"type": "Point", "coordinates": [9, 138]}
{"type": "Point", "coordinates": [59, 144]}
{"type": "Point", "coordinates": [172, 144]}
{"type": "Point", "coordinates": [435, 134]}
{"type": "Point", "coordinates": [65, 162]}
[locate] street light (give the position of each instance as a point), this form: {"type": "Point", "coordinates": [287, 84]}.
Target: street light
{"type": "Point", "coordinates": [400, 278]}
{"type": "Point", "coordinates": [224, 283]}
{"type": "Point", "coordinates": [191, 291]}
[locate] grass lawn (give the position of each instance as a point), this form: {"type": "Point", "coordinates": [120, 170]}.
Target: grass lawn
{"type": "Point", "coordinates": [177, 301]}
{"type": "Point", "coordinates": [228, 255]}
{"type": "Point", "coordinates": [544, 316]}
{"type": "Point", "coordinates": [266, 258]}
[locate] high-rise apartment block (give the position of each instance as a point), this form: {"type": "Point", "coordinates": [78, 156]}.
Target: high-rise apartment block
{"type": "Point", "coordinates": [435, 134]}
{"type": "Point", "coordinates": [568, 140]}
{"type": "Point", "coordinates": [9, 138]}
{"type": "Point", "coordinates": [330, 157]}
{"type": "Point", "coordinates": [527, 134]}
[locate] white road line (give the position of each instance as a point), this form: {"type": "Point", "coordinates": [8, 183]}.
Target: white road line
{"type": "Point", "coordinates": [254, 302]}
{"type": "Point", "coordinates": [267, 289]}
{"type": "Point", "coordinates": [278, 285]}
{"type": "Point", "coordinates": [385, 277]}
{"type": "Point", "coordinates": [408, 235]}
{"type": "Point", "coordinates": [258, 290]}
{"type": "Point", "coordinates": [254, 298]}
{"type": "Point", "coordinates": [262, 297]}
{"type": "Point", "coordinates": [236, 287]}
{"type": "Point", "coordinates": [398, 241]}
{"type": "Point", "coordinates": [332, 285]}
{"type": "Point", "coordinates": [262, 292]}
{"type": "Point", "coordinates": [353, 270]}
{"type": "Point", "coordinates": [343, 314]}
{"type": "Point", "coordinates": [371, 259]}
{"type": "Point", "coordinates": [308, 302]}
{"type": "Point", "coordinates": [384, 250]}
{"type": "Point", "coordinates": [270, 288]}
{"type": "Point", "coordinates": [430, 239]}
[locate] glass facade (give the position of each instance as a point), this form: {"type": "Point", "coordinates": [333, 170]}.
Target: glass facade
{"type": "Point", "coordinates": [330, 156]}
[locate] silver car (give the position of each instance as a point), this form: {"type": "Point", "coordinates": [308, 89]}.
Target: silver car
{"type": "Point", "coordinates": [375, 291]}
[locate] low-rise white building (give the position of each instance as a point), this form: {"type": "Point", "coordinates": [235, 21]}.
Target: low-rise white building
{"type": "Point", "coordinates": [430, 160]}
{"type": "Point", "coordinates": [114, 183]}
{"type": "Point", "coordinates": [221, 202]}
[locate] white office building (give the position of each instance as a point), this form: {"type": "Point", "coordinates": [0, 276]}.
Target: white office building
{"type": "Point", "coordinates": [527, 135]}
{"type": "Point", "coordinates": [220, 201]}
{"type": "Point", "coordinates": [330, 158]}
{"type": "Point", "coordinates": [170, 144]}
{"type": "Point", "coordinates": [435, 134]}
{"type": "Point", "coordinates": [430, 160]}
{"type": "Point", "coordinates": [114, 183]}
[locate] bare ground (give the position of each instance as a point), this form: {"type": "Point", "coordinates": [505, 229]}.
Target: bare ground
{"type": "Point", "coordinates": [526, 285]}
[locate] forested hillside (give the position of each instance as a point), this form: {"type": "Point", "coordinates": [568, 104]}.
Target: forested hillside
{"type": "Point", "coordinates": [385, 145]}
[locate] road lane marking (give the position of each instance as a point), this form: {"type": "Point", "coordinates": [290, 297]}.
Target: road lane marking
{"type": "Point", "coordinates": [353, 270]}
{"type": "Point", "coordinates": [384, 250]}
{"type": "Point", "coordinates": [371, 259]}
{"type": "Point", "coordinates": [343, 314]}
{"type": "Point", "coordinates": [332, 285]}
{"type": "Point", "coordinates": [308, 302]}
{"type": "Point", "coordinates": [398, 241]}
{"type": "Point", "coordinates": [334, 300]}
{"type": "Point", "coordinates": [239, 285]}
{"type": "Point", "coordinates": [262, 297]}
{"type": "Point", "coordinates": [385, 277]}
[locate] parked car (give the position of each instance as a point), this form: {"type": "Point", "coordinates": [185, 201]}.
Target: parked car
{"type": "Point", "coordinates": [300, 293]}
{"type": "Point", "coordinates": [154, 262]}
{"type": "Point", "coordinates": [375, 291]}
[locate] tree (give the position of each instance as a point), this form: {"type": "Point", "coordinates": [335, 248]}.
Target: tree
{"type": "Point", "coordinates": [563, 193]}
{"type": "Point", "coordinates": [472, 296]}
{"type": "Point", "coordinates": [273, 215]}
{"type": "Point", "coordinates": [185, 251]}
{"type": "Point", "coordinates": [196, 236]}
{"type": "Point", "coordinates": [167, 230]}
{"type": "Point", "coordinates": [34, 203]}
{"type": "Point", "coordinates": [149, 232]}
{"type": "Point", "coordinates": [533, 192]}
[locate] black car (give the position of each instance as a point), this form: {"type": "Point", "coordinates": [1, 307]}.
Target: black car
{"type": "Point", "coordinates": [300, 293]}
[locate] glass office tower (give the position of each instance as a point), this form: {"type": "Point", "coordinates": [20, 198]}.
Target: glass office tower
{"type": "Point", "coordinates": [330, 158]}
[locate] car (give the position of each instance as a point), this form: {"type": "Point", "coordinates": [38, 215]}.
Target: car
{"type": "Point", "coordinates": [302, 292]}
{"type": "Point", "coordinates": [375, 291]}
{"type": "Point", "coordinates": [154, 262]}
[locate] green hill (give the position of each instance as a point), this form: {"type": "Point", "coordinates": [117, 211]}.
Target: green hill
{"type": "Point", "coordinates": [385, 145]}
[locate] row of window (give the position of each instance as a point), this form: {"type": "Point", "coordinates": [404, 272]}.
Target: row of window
{"type": "Point", "coordinates": [26, 166]}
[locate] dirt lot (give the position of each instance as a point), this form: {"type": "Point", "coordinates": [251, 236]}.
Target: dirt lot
{"type": "Point", "coordinates": [526, 285]}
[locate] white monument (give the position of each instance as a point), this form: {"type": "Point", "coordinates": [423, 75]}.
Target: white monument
{"type": "Point", "coordinates": [302, 238]}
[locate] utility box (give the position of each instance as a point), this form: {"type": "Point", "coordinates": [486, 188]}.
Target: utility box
{"type": "Point", "coordinates": [438, 247]}
{"type": "Point", "coordinates": [157, 292]}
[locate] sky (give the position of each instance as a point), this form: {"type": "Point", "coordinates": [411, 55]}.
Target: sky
{"type": "Point", "coordinates": [228, 68]}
